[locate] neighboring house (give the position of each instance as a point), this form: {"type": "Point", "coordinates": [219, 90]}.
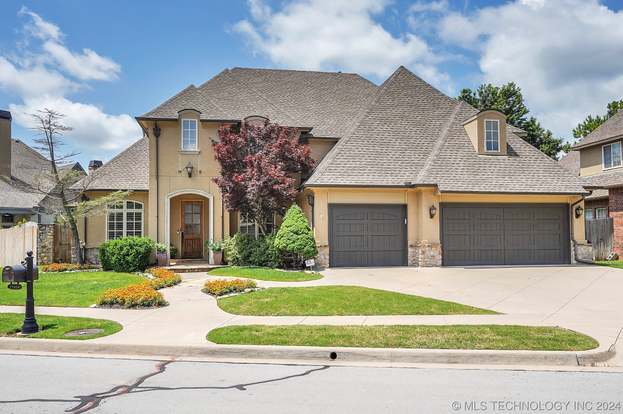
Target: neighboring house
{"type": "Point", "coordinates": [25, 182]}
{"type": "Point", "coordinates": [406, 175]}
{"type": "Point", "coordinates": [597, 159]}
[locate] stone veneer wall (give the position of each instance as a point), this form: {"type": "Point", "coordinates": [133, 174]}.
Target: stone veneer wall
{"type": "Point", "coordinates": [91, 255]}
{"type": "Point", "coordinates": [45, 243]}
{"type": "Point", "coordinates": [322, 260]}
{"type": "Point", "coordinates": [583, 252]}
{"type": "Point", "coordinates": [615, 207]}
{"type": "Point", "coordinates": [425, 254]}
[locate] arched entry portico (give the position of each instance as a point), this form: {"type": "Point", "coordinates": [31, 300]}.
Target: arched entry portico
{"type": "Point", "coordinates": [191, 206]}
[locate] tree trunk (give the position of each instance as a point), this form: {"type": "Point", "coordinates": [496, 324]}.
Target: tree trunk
{"type": "Point", "coordinates": [75, 237]}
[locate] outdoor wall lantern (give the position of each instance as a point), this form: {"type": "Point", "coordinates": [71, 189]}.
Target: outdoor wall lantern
{"type": "Point", "coordinates": [578, 211]}
{"type": "Point", "coordinates": [189, 169]}
{"type": "Point", "coordinates": [432, 211]}
{"type": "Point", "coordinates": [310, 199]}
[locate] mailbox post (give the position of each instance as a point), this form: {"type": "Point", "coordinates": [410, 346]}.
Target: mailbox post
{"type": "Point", "coordinates": [25, 272]}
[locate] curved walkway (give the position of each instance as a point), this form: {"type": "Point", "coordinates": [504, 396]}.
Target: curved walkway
{"type": "Point", "coordinates": [583, 298]}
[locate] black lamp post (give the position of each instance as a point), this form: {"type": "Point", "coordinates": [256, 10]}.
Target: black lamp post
{"type": "Point", "coordinates": [25, 272]}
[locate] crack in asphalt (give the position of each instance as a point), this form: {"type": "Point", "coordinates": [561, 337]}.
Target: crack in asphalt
{"type": "Point", "coordinates": [86, 403]}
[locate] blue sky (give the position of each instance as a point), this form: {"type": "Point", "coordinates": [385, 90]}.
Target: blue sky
{"type": "Point", "coordinates": [102, 63]}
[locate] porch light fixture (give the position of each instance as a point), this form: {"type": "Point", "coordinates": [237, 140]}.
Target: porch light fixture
{"type": "Point", "coordinates": [189, 169]}
{"type": "Point", "coordinates": [432, 211]}
{"type": "Point", "coordinates": [310, 199]}
{"type": "Point", "coordinates": [578, 211]}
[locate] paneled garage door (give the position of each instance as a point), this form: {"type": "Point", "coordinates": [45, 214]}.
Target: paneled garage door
{"type": "Point", "coordinates": [367, 235]}
{"type": "Point", "coordinates": [511, 234]}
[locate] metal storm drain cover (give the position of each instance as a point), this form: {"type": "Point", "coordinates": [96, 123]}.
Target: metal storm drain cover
{"type": "Point", "coordinates": [84, 332]}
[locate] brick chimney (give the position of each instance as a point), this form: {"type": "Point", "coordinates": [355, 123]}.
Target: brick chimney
{"type": "Point", "coordinates": [94, 165]}
{"type": "Point", "coordinates": [5, 143]}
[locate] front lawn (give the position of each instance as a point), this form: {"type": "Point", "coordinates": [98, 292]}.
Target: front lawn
{"type": "Point", "coordinates": [338, 300]}
{"type": "Point", "coordinates": [502, 337]}
{"type": "Point", "coordinates": [265, 273]}
{"type": "Point", "coordinates": [611, 263]}
{"type": "Point", "coordinates": [79, 289]}
{"type": "Point", "coordinates": [55, 327]}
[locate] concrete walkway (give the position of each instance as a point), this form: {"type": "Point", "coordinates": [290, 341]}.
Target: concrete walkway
{"type": "Point", "coordinates": [583, 298]}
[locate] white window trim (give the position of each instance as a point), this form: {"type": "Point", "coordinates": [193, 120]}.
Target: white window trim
{"type": "Point", "coordinates": [603, 158]}
{"type": "Point", "coordinates": [596, 216]}
{"type": "Point", "coordinates": [196, 135]}
{"type": "Point", "coordinates": [497, 121]}
{"type": "Point", "coordinates": [124, 210]}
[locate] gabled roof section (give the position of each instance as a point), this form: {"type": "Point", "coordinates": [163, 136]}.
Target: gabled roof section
{"type": "Point", "coordinates": [129, 170]}
{"type": "Point", "coordinates": [413, 133]}
{"type": "Point", "coordinates": [327, 102]}
{"type": "Point", "coordinates": [571, 162]}
{"type": "Point", "coordinates": [611, 129]}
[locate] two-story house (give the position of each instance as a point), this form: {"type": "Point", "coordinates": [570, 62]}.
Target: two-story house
{"type": "Point", "coordinates": [406, 175]}
{"type": "Point", "coordinates": [597, 159]}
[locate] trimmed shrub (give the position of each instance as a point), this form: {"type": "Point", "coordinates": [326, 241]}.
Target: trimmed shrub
{"type": "Point", "coordinates": [220, 287]}
{"type": "Point", "coordinates": [140, 295]}
{"type": "Point", "coordinates": [295, 237]}
{"type": "Point", "coordinates": [64, 267]}
{"type": "Point", "coordinates": [244, 250]}
{"type": "Point", "coordinates": [128, 254]}
{"type": "Point", "coordinates": [163, 278]}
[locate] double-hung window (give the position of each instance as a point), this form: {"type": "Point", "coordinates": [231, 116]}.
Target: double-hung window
{"type": "Point", "coordinates": [611, 155]}
{"type": "Point", "coordinates": [189, 135]}
{"type": "Point", "coordinates": [124, 219]}
{"type": "Point", "coordinates": [601, 212]}
{"type": "Point", "coordinates": [588, 214]}
{"type": "Point", "coordinates": [492, 135]}
{"type": "Point", "coordinates": [251, 228]}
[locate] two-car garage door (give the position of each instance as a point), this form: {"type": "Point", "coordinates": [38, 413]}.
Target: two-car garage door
{"type": "Point", "coordinates": [490, 234]}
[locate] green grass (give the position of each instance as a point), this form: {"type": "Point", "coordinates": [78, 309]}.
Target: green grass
{"type": "Point", "coordinates": [265, 273]}
{"type": "Point", "coordinates": [338, 300]}
{"type": "Point", "coordinates": [55, 327]}
{"type": "Point", "coordinates": [611, 263]}
{"type": "Point", "coordinates": [79, 289]}
{"type": "Point", "coordinates": [503, 337]}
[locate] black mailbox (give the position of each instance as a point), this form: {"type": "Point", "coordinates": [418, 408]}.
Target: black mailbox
{"type": "Point", "coordinates": [18, 273]}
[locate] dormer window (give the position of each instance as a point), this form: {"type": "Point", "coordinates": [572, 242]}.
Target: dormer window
{"type": "Point", "coordinates": [189, 135]}
{"type": "Point", "coordinates": [492, 135]}
{"type": "Point", "coordinates": [611, 155]}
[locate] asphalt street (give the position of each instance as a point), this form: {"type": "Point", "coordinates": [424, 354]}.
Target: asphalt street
{"type": "Point", "coordinates": [37, 384]}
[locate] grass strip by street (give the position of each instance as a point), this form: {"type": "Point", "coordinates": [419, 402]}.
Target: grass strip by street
{"type": "Point", "coordinates": [339, 300]}
{"type": "Point", "coordinates": [617, 264]}
{"type": "Point", "coordinates": [55, 327]}
{"type": "Point", "coordinates": [265, 273]}
{"type": "Point", "coordinates": [471, 337]}
{"type": "Point", "coordinates": [80, 289]}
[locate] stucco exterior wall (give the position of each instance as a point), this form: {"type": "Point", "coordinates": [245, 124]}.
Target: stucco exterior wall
{"type": "Point", "coordinates": [320, 147]}
{"type": "Point", "coordinates": [590, 161]}
{"type": "Point", "coordinates": [476, 131]}
{"type": "Point", "coordinates": [174, 180]}
{"type": "Point", "coordinates": [96, 225]}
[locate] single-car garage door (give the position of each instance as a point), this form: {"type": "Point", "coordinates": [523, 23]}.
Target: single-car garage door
{"type": "Point", "coordinates": [511, 234]}
{"type": "Point", "coordinates": [367, 235]}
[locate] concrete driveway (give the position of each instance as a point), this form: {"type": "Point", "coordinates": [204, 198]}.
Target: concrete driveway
{"type": "Point", "coordinates": [581, 297]}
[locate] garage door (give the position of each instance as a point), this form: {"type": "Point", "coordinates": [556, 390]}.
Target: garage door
{"type": "Point", "coordinates": [488, 234]}
{"type": "Point", "coordinates": [367, 235]}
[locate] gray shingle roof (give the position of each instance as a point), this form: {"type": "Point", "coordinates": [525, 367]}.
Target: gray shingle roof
{"type": "Point", "coordinates": [325, 101]}
{"type": "Point", "coordinates": [610, 129]}
{"type": "Point", "coordinates": [597, 194]}
{"type": "Point", "coordinates": [571, 162]}
{"type": "Point", "coordinates": [607, 179]}
{"type": "Point", "coordinates": [413, 132]}
{"type": "Point", "coordinates": [129, 170]}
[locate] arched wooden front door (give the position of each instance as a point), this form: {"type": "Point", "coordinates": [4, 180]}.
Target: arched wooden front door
{"type": "Point", "coordinates": [192, 229]}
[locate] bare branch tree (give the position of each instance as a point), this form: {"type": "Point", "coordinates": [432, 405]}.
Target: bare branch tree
{"type": "Point", "coordinates": [64, 189]}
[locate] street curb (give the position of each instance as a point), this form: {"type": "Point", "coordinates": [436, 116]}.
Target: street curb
{"type": "Point", "coordinates": [317, 354]}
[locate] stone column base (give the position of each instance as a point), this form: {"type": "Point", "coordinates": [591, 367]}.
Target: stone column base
{"type": "Point", "coordinates": [322, 260]}
{"type": "Point", "coordinates": [91, 255]}
{"type": "Point", "coordinates": [424, 254]}
{"type": "Point", "coordinates": [583, 252]}
{"type": "Point", "coordinates": [45, 243]}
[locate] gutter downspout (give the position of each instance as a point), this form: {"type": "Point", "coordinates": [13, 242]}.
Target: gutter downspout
{"type": "Point", "coordinates": [157, 131]}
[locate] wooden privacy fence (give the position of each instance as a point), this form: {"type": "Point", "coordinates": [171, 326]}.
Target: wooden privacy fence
{"type": "Point", "coordinates": [16, 241]}
{"type": "Point", "coordinates": [599, 233]}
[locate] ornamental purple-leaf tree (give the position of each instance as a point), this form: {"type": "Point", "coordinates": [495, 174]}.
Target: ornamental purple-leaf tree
{"type": "Point", "coordinates": [260, 169]}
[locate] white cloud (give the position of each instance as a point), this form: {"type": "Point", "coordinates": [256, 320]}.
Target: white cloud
{"type": "Point", "coordinates": [564, 54]}
{"type": "Point", "coordinates": [44, 75]}
{"type": "Point", "coordinates": [336, 35]}
{"type": "Point", "coordinates": [437, 6]}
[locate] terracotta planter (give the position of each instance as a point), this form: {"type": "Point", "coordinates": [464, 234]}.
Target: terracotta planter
{"type": "Point", "coordinates": [162, 259]}
{"type": "Point", "coordinates": [218, 257]}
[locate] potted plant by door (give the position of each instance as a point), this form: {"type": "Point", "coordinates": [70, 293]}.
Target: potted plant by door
{"type": "Point", "coordinates": [217, 252]}
{"type": "Point", "coordinates": [162, 258]}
